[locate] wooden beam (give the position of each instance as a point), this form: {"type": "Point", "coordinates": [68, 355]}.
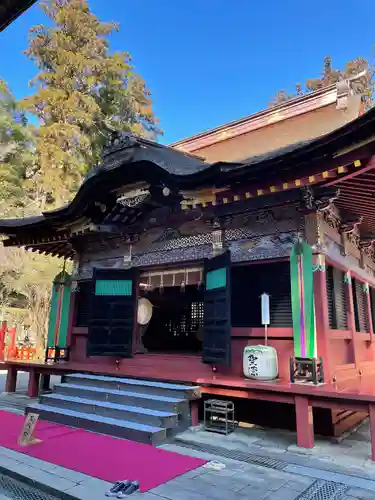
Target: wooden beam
{"type": "Point", "coordinates": [370, 165]}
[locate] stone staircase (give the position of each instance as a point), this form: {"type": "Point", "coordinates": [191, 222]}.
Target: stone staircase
{"type": "Point", "coordinates": [136, 409]}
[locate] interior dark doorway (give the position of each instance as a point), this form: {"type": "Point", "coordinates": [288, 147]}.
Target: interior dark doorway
{"type": "Point", "coordinates": [176, 325]}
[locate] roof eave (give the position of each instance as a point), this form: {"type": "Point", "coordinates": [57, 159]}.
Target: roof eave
{"type": "Point", "coordinates": [11, 10]}
{"type": "Point", "coordinates": [335, 146]}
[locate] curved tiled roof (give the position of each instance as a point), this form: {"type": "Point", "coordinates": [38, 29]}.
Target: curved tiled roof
{"type": "Point", "coordinates": [11, 9]}
{"type": "Point", "coordinates": [129, 159]}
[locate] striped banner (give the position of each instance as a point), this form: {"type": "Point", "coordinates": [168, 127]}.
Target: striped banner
{"type": "Point", "coordinates": [302, 290]}
{"type": "Point", "coordinates": [59, 311]}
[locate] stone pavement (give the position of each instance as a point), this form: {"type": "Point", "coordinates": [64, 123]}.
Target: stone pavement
{"type": "Point", "coordinates": [16, 402]}
{"type": "Point", "coordinates": [237, 480]}
{"type": "Point", "coordinates": [351, 454]}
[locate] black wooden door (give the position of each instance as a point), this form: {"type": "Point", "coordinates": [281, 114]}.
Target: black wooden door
{"type": "Point", "coordinates": [217, 311]}
{"type": "Point", "coordinates": [112, 313]}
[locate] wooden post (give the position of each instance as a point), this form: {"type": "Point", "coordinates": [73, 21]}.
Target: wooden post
{"type": "Point", "coordinates": [33, 385]}
{"type": "Point", "coordinates": [11, 380]}
{"type": "Point", "coordinates": [3, 330]}
{"type": "Point", "coordinates": [321, 320]}
{"type": "Point", "coordinates": [194, 412]}
{"type": "Point", "coordinates": [371, 408]}
{"type": "Point", "coordinates": [45, 383]}
{"type": "Point", "coordinates": [136, 326]}
{"type": "Point", "coordinates": [71, 318]}
{"type": "Point", "coordinates": [304, 422]}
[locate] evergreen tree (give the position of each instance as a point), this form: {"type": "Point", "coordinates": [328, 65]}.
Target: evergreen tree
{"type": "Point", "coordinates": [83, 92]}
{"type": "Point", "coordinates": [329, 76]}
{"type": "Point", "coordinates": [15, 152]}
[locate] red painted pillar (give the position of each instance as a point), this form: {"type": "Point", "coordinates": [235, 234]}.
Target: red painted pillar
{"type": "Point", "coordinates": [71, 318]}
{"type": "Point", "coordinates": [33, 385]}
{"type": "Point", "coordinates": [322, 321]}
{"type": "Point", "coordinates": [351, 317]}
{"type": "Point", "coordinates": [3, 329]}
{"type": "Point", "coordinates": [11, 380]}
{"type": "Point", "coordinates": [194, 412]}
{"type": "Point", "coordinates": [371, 410]}
{"type": "Point", "coordinates": [12, 347]}
{"type": "Point", "coordinates": [304, 422]}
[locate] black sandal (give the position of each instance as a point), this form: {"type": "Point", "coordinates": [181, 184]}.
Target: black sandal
{"type": "Point", "coordinates": [117, 488]}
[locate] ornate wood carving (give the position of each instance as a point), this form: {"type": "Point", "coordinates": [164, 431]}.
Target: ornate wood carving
{"type": "Point", "coordinates": [367, 245]}
{"type": "Point", "coordinates": [307, 198]}
{"type": "Point", "coordinates": [350, 228]}
{"type": "Point", "coordinates": [353, 236]}
{"type": "Point", "coordinates": [331, 218]}
{"type": "Point", "coordinates": [134, 198]}
{"type": "Point", "coordinates": [118, 141]}
{"type": "Point", "coordinates": [311, 229]}
{"type": "Point", "coordinates": [320, 199]}
{"type": "Point", "coordinates": [369, 251]}
{"type": "Point", "coordinates": [348, 222]}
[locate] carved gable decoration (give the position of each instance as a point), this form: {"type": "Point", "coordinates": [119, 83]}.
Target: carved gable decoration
{"type": "Point", "coordinates": [133, 198]}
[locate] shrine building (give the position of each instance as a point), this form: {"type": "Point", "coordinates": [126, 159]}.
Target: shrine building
{"type": "Point", "coordinates": [174, 246]}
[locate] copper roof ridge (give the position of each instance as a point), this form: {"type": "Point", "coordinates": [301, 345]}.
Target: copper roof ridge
{"type": "Point", "coordinates": [327, 95]}
{"type": "Point", "coordinates": [247, 118]}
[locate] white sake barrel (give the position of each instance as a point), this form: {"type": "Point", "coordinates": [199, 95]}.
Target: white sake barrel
{"type": "Point", "coordinates": [260, 362]}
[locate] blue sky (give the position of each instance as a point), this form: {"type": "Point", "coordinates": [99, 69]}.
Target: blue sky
{"type": "Point", "coordinates": [208, 62]}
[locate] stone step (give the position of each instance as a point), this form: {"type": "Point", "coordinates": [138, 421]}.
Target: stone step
{"type": "Point", "coordinates": [135, 385]}
{"type": "Point", "coordinates": [107, 409]}
{"type": "Point", "coordinates": [97, 423]}
{"type": "Point", "coordinates": [153, 401]}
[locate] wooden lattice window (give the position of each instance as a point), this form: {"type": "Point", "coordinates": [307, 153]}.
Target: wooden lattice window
{"type": "Point", "coordinates": [249, 282]}
{"type": "Point", "coordinates": [82, 304]}
{"type": "Point", "coordinates": [360, 306]}
{"type": "Point", "coordinates": [336, 297]}
{"type": "Point", "coordinates": [197, 315]}
{"type": "Point", "coordinates": [185, 325]}
{"type": "Point", "coordinates": [330, 298]}
{"type": "Point", "coordinates": [372, 302]}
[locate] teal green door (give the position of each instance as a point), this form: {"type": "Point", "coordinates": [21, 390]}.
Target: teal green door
{"type": "Point", "coordinates": [112, 313]}
{"type": "Point", "coordinates": [217, 311]}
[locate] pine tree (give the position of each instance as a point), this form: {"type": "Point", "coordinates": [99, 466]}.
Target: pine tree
{"type": "Point", "coordinates": [83, 92]}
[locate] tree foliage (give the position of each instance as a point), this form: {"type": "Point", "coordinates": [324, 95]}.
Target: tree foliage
{"type": "Point", "coordinates": [16, 154]}
{"type": "Point", "coordinates": [26, 280]}
{"type": "Point", "coordinates": [82, 93]}
{"type": "Point", "coordinates": [364, 85]}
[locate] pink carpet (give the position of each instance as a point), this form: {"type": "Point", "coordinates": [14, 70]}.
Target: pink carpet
{"type": "Point", "coordinates": [96, 455]}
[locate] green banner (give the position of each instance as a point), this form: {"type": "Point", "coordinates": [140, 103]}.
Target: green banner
{"type": "Point", "coordinates": [302, 289]}
{"type": "Point", "coordinates": [59, 311]}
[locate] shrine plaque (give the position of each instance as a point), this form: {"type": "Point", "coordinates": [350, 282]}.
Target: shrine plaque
{"type": "Point", "coordinates": [27, 435]}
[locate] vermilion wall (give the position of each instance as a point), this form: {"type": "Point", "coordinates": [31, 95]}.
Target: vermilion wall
{"type": "Point", "coordinates": [279, 338]}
